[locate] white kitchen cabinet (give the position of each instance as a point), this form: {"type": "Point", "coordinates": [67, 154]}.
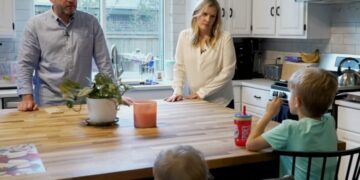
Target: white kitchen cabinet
{"type": "Point", "coordinates": [236, 16]}
{"type": "Point", "coordinates": [348, 128]}
{"type": "Point", "coordinates": [255, 100]}
{"type": "Point", "coordinates": [7, 19]}
{"type": "Point", "coordinates": [254, 94]}
{"type": "Point", "coordinates": [290, 19]}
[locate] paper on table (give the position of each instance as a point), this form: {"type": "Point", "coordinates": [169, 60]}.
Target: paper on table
{"type": "Point", "coordinates": [19, 160]}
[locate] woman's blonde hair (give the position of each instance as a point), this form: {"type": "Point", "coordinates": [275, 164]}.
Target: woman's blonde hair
{"type": "Point", "coordinates": [316, 88]}
{"type": "Point", "coordinates": [216, 28]}
{"type": "Point", "coordinates": [181, 162]}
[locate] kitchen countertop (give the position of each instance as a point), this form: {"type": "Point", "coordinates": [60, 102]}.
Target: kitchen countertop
{"type": "Point", "coordinates": [349, 104]}
{"type": "Point", "coordinates": [259, 83]}
{"type": "Point", "coordinates": [161, 85]}
{"type": "Point", "coordinates": [8, 93]}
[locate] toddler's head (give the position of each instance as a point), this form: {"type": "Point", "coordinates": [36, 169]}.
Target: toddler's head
{"type": "Point", "coordinates": [180, 162]}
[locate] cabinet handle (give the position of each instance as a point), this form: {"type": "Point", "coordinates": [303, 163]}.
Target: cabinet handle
{"type": "Point", "coordinates": [231, 12]}
{"type": "Point", "coordinates": [223, 12]}
{"type": "Point", "coordinates": [272, 11]}
{"type": "Point", "coordinates": [257, 97]}
{"type": "Point", "coordinates": [277, 11]}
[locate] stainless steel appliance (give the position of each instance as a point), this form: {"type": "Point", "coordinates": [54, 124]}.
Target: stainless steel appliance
{"type": "Point", "coordinates": [348, 77]}
{"type": "Point", "coordinates": [273, 71]}
{"type": "Point", "coordinates": [329, 62]}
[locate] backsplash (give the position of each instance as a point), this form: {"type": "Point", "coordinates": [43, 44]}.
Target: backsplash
{"type": "Point", "coordinates": [345, 36]}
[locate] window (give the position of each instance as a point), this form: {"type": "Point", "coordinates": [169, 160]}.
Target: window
{"type": "Point", "coordinates": [134, 26]}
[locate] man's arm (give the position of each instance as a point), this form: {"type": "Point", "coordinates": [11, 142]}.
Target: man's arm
{"type": "Point", "coordinates": [101, 53]}
{"type": "Point", "coordinates": [27, 103]}
{"type": "Point", "coordinates": [28, 58]}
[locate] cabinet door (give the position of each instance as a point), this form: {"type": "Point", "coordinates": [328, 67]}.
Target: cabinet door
{"type": "Point", "coordinates": [290, 17]}
{"type": "Point", "coordinates": [352, 140]}
{"type": "Point", "coordinates": [224, 13]}
{"type": "Point", "coordinates": [263, 15]}
{"type": "Point", "coordinates": [347, 119]}
{"type": "Point", "coordinates": [239, 16]}
{"type": "Point", "coordinates": [237, 98]}
{"type": "Point", "coordinates": [7, 18]}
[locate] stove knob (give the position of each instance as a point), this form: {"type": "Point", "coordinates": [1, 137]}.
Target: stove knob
{"type": "Point", "coordinates": [282, 95]}
{"type": "Point", "coordinates": [275, 93]}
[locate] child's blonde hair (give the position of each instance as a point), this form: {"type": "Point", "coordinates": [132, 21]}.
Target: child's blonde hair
{"type": "Point", "coordinates": [180, 162]}
{"type": "Point", "coordinates": [316, 88]}
{"type": "Point", "coordinates": [216, 29]}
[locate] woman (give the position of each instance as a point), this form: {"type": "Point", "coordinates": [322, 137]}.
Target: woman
{"type": "Point", "coordinates": [205, 58]}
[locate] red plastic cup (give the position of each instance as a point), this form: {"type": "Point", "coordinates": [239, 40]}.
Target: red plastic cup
{"type": "Point", "coordinates": [242, 128]}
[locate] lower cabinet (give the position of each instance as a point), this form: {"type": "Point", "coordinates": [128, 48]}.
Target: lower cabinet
{"type": "Point", "coordinates": [348, 129]}
{"type": "Point", "coordinates": [255, 100]}
{"type": "Point", "coordinates": [254, 94]}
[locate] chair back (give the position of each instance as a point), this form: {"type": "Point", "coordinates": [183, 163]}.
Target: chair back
{"type": "Point", "coordinates": [351, 153]}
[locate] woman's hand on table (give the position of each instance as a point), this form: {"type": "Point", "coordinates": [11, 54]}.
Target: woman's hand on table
{"type": "Point", "coordinates": [193, 96]}
{"type": "Point", "coordinates": [27, 103]}
{"type": "Point", "coordinates": [174, 98]}
{"type": "Point", "coordinates": [127, 101]}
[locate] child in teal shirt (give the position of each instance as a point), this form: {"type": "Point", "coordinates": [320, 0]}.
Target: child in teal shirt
{"type": "Point", "coordinates": [312, 92]}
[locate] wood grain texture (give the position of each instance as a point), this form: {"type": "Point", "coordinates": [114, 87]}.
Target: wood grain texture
{"type": "Point", "coordinates": [71, 149]}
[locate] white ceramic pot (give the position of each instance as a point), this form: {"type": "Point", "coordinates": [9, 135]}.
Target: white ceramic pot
{"type": "Point", "coordinates": [102, 110]}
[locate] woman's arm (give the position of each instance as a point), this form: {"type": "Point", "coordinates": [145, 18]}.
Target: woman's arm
{"type": "Point", "coordinates": [179, 68]}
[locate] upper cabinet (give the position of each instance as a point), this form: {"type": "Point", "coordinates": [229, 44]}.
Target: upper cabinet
{"type": "Point", "coordinates": [236, 16]}
{"type": "Point", "coordinates": [7, 18]}
{"type": "Point", "coordinates": [282, 17]}
{"type": "Point", "coordinates": [290, 19]}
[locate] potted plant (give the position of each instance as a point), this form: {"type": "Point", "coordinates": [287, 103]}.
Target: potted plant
{"type": "Point", "coordinates": [103, 97]}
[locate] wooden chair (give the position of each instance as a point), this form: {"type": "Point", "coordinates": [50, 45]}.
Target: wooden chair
{"type": "Point", "coordinates": [325, 155]}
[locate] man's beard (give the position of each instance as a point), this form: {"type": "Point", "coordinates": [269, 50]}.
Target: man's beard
{"type": "Point", "coordinates": [69, 12]}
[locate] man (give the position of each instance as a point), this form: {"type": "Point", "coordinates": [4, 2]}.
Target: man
{"type": "Point", "coordinates": [59, 44]}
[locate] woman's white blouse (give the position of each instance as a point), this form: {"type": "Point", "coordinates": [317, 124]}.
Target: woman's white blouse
{"type": "Point", "coordinates": [208, 74]}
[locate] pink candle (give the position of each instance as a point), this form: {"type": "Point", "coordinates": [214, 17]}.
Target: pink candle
{"type": "Point", "coordinates": [145, 114]}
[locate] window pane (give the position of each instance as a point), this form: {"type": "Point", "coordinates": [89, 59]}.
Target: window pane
{"type": "Point", "coordinates": [41, 6]}
{"type": "Point", "coordinates": [135, 27]}
{"type": "Point", "coordinates": [89, 6]}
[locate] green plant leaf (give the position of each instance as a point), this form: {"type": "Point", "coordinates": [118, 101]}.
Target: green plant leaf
{"type": "Point", "coordinates": [102, 87]}
{"type": "Point", "coordinates": [84, 92]}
